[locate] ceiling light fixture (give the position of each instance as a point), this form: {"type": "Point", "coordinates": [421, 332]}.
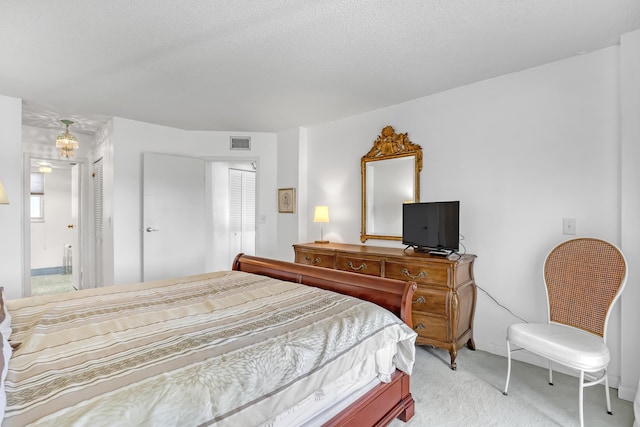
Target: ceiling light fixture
{"type": "Point", "coordinates": [66, 142]}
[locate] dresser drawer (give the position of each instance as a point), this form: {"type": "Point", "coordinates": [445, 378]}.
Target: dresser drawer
{"type": "Point", "coordinates": [318, 259]}
{"type": "Point", "coordinates": [430, 301]}
{"type": "Point", "coordinates": [431, 327]}
{"type": "Point", "coordinates": [360, 265]}
{"type": "Point", "coordinates": [421, 274]}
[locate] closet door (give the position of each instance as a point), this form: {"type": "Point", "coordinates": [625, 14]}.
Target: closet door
{"type": "Point", "coordinates": [173, 225]}
{"type": "Point", "coordinates": [242, 212]}
{"type": "Point", "coordinates": [98, 210]}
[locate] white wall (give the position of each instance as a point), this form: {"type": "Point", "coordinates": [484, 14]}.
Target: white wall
{"type": "Point", "coordinates": [11, 214]}
{"type": "Point", "coordinates": [520, 152]}
{"type": "Point", "coordinates": [289, 153]}
{"type": "Point", "coordinates": [130, 139]}
{"type": "Point", "coordinates": [630, 135]}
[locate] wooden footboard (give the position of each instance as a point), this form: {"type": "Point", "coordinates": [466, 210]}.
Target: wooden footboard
{"type": "Point", "coordinates": [387, 400]}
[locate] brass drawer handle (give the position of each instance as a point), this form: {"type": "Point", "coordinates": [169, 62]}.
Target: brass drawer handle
{"type": "Point", "coordinates": [362, 266]}
{"type": "Point", "coordinates": [312, 261]}
{"type": "Point", "coordinates": [406, 273]}
{"type": "Point", "coordinates": [420, 326]}
{"type": "Point", "coordinates": [420, 299]}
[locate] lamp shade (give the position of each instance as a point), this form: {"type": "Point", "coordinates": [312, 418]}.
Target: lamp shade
{"type": "Point", "coordinates": [321, 214]}
{"type": "Point", "coordinates": [3, 195]}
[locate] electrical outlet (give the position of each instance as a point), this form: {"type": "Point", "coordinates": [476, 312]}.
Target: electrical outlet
{"type": "Point", "coordinates": [568, 226]}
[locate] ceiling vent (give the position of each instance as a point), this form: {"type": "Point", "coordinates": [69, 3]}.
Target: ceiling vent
{"type": "Point", "coordinates": [241, 143]}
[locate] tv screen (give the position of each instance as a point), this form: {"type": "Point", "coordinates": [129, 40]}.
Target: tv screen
{"type": "Point", "coordinates": [431, 226]}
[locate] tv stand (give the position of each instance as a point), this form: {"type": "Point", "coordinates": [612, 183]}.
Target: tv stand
{"type": "Point", "coordinates": [443, 306]}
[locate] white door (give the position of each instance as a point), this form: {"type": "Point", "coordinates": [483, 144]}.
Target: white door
{"type": "Point", "coordinates": [98, 211]}
{"type": "Point", "coordinates": [75, 250]}
{"type": "Point", "coordinates": [173, 216]}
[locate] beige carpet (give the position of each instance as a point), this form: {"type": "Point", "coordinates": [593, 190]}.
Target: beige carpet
{"type": "Point", "coordinates": [472, 395]}
{"type": "Point", "coordinates": [51, 284]}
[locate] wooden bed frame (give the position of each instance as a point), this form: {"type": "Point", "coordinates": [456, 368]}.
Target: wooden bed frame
{"type": "Point", "coordinates": [387, 400]}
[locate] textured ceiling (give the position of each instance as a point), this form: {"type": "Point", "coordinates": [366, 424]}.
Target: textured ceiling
{"type": "Point", "coordinates": [272, 65]}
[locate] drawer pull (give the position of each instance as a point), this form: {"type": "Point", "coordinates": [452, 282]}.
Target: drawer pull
{"type": "Point", "coordinates": [420, 299]}
{"type": "Point", "coordinates": [362, 266]}
{"type": "Point", "coordinates": [312, 261]}
{"type": "Point", "coordinates": [420, 326]}
{"type": "Point", "coordinates": [406, 273]}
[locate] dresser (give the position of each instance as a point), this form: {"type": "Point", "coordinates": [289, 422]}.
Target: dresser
{"type": "Point", "coordinates": [444, 303]}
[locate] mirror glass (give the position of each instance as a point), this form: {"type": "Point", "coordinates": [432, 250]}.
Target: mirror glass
{"type": "Point", "coordinates": [390, 177]}
{"type": "Point", "coordinates": [389, 185]}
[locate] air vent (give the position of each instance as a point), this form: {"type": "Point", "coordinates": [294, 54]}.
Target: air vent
{"type": "Point", "coordinates": [241, 143]}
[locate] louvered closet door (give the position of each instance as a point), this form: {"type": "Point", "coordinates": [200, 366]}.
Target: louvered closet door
{"type": "Point", "coordinates": [98, 187]}
{"type": "Point", "coordinates": [242, 212]}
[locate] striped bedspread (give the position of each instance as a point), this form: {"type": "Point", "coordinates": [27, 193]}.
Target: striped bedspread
{"type": "Point", "coordinates": [226, 348]}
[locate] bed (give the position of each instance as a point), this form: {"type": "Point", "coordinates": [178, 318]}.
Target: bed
{"type": "Point", "coordinates": [267, 343]}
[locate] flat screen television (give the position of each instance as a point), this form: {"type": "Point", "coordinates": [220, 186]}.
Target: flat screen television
{"type": "Point", "coordinates": [431, 227]}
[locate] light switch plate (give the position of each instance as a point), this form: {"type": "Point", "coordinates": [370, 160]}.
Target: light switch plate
{"type": "Point", "coordinates": [568, 226]}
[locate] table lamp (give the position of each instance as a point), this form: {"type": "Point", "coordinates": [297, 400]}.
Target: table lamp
{"type": "Point", "coordinates": [321, 215]}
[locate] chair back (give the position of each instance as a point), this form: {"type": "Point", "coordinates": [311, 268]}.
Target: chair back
{"type": "Point", "coordinates": [584, 277]}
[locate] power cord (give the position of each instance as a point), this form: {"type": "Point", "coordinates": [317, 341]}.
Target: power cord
{"type": "Point", "coordinates": [488, 294]}
{"type": "Point", "coordinates": [460, 255]}
{"type": "Point", "coordinates": [496, 301]}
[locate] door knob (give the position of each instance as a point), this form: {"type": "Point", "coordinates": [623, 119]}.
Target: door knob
{"type": "Point", "coordinates": [70, 226]}
{"type": "Point", "coordinates": [149, 229]}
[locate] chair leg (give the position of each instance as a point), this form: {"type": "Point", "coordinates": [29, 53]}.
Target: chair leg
{"type": "Point", "coordinates": [580, 398]}
{"type": "Point", "coordinates": [550, 374]}
{"type": "Point", "coordinates": [606, 392]}
{"type": "Point", "coordinates": [506, 386]}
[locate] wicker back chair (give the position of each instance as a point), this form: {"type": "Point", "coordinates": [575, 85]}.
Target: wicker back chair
{"type": "Point", "coordinates": [584, 278]}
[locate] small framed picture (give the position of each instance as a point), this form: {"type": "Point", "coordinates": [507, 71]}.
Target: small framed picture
{"type": "Point", "coordinates": [286, 200]}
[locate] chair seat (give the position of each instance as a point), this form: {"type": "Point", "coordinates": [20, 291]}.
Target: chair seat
{"type": "Point", "coordinates": [566, 345]}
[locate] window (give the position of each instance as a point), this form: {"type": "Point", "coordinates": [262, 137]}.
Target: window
{"type": "Point", "coordinates": [37, 197]}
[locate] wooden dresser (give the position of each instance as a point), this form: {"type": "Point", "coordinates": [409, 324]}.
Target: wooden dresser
{"type": "Point", "coordinates": [444, 303]}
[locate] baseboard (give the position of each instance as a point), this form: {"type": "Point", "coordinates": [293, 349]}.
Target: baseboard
{"type": "Point", "coordinates": [47, 271]}
{"type": "Point", "coordinates": [627, 393]}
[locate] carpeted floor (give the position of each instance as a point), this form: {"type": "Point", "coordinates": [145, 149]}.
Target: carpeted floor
{"type": "Point", "coordinates": [472, 395]}
{"type": "Point", "coordinates": [51, 284]}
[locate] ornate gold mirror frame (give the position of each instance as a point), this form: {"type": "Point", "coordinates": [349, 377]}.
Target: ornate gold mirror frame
{"type": "Point", "coordinates": [390, 177]}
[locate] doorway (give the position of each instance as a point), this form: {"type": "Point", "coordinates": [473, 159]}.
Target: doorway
{"type": "Point", "coordinates": [234, 210]}
{"type": "Point", "coordinates": [53, 221]}
{"type": "Point", "coordinates": [242, 212]}
{"type": "Point", "coordinates": [198, 214]}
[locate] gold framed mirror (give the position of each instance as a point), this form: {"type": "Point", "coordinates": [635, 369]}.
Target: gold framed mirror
{"type": "Point", "coordinates": [390, 174]}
